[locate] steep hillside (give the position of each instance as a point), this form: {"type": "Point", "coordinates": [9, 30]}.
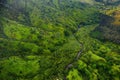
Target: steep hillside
{"type": "Point", "coordinates": [40, 33]}
{"type": "Point", "coordinates": [109, 28]}
{"type": "Point", "coordinates": [51, 40]}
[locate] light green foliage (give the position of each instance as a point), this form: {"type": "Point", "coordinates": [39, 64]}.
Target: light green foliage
{"type": "Point", "coordinates": [18, 67]}
{"type": "Point", "coordinates": [73, 75]}
{"type": "Point", "coordinates": [32, 48]}
{"type": "Point", "coordinates": [81, 65]}
{"type": "Point", "coordinates": [39, 39]}
{"type": "Point", "coordinates": [94, 75]}
{"type": "Point", "coordinates": [115, 69]}
{"type": "Point", "coordinates": [104, 49]}
{"type": "Point", "coordinates": [16, 31]}
{"type": "Point", "coordinates": [97, 58]}
{"type": "Point", "coordinates": [114, 55]}
{"type": "Point", "coordinates": [94, 57]}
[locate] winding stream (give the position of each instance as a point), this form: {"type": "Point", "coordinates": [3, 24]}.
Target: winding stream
{"type": "Point", "coordinates": [76, 57]}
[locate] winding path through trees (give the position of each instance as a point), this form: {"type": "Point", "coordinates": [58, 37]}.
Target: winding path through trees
{"type": "Point", "coordinates": [76, 57]}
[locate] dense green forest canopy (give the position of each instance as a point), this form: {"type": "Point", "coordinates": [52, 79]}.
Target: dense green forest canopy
{"type": "Point", "coordinates": [59, 40]}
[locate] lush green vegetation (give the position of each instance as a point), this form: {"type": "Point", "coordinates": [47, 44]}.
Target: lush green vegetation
{"type": "Point", "coordinates": [98, 58]}
{"type": "Point", "coordinates": [40, 38]}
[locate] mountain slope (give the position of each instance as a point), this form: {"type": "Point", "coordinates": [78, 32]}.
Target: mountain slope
{"type": "Point", "coordinates": [41, 40]}
{"type": "Point", "coordinates": [109, 28]}
{"type": "Point", "coordinates": [38, 32]}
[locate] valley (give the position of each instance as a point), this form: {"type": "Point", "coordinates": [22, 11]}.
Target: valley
{"type": "Point", "coordinates": [59, 40]}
